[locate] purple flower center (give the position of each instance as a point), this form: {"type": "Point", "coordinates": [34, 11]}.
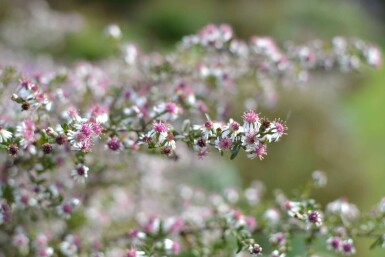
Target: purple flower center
{"type": "Point", "coordinates": [114, 144]}
{"type": "Point", "coordinates": [81, 171]}
{"type": "Point", "coordinates": [313, 217]}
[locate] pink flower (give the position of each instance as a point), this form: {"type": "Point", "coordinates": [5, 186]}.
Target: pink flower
{"type": "Point", "coordinates": [224, 143]}
{"type": "Point", "coordinates": [160, 127]}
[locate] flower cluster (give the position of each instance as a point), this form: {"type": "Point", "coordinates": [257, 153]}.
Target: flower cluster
{"type": "Point", "coordinates": [103, 123]}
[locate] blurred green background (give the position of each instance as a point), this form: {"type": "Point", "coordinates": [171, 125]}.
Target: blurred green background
{"type": "Point", "coordinates": [336, 124]}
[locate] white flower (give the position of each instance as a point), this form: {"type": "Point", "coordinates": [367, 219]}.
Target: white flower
{"type": "Point", "coordinates": [80, 173]}
{"type": "Point", "coordinates": [4, 135]}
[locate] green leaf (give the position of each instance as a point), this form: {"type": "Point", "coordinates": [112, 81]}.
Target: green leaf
{"type": "Point", "coordinates": [239, 246]}
{"type": "Point", "coordinates": [234, 152]}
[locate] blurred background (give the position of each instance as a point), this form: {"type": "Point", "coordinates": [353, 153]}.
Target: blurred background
{"type": "Point", "coordinates": [336, 123]}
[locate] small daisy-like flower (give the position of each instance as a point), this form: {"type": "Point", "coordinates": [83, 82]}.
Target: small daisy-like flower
{"type": "Point", "coordinates": [232, 129]}
{"type": "Point", "coordinates": [255, 249]}
{"type": "Point", "coordinates": [4, 134]}
{"type": "Point", "coordinates": [159, 132]}
{"type": "Point", "coordinates": [276, 130]}
{"type": "Point", "coordinates": [250, 139]}
{"type": "Point", "coordinates": [160, 127]}
{"type": "Point", "coordinates": [20, 240]}
{"type": "Point", "coordinates": [100, 113]}
{"type": "Point", "coordinates": [169, 109]}
{"type": "Point", "coordinates": [169, 141]}
{"type": "Point", "coordinates": [208, 129]}
{"type": "Point", "coordinates": [278, 238]}
{"type": "Point", "coordinates": [334, 243]}
{"type": "Point", "coordinates": [26, 130]}
{"type": "Point", "coordinates": [68, 247]}
{"type": "Point", "coordinates": [314, 217]}
{"type": "Point", "coordinates": [202, 153]}
{"type": "Point", "coordinates": [66, 209]}
{"type": "Point", "coordinates": [80, 173]}
{"type": "Point", "coordinates": [258, 150]}
{"type": "Point", "coordinates": [251, 122]}
{"type": "Point", "coordinates": [223, 144]}
{"type": "Point", "coordinates": [343, 208]}
{"type": "Point", "coordinates": [347, 247]}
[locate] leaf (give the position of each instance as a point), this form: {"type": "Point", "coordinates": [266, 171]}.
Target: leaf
{"type": "Point", "coordinates": [239, 246]}
{"type": "Point", "coordinates": [235, 152]}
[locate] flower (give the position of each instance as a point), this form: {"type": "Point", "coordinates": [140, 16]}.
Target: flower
{"type": "Point", "coordinates": [4, 134]}
{"type": "Point", "coordinates": [251, 122]}
{"type": "Point", "coordinates": [232, 129]}
{"type": "Point", "coordinates": [314, 217]}
{"type": "Point", "coordinates": [66, 209]}
{"type": "Point", "coordinates": [26, 130]}
{"type": "Point", "coordinates": [334, 243]}
{"type": "Point", "coordinates": [224, 143]}
{"type": "Point", "coordinates": [114, 144]}
{"type": "Point", "coordinates": [343, 208]}
{"type": "Point", "coordinates": [275, 131]}
{"type": "Point", "coordinates": [80, 173]}
{"type": "Point", "coordinates": [255, 249]}
{"type": "Point", "coordinates": [68, 247]}
{"type": "Point", "coordinates": [347, 247]}
{"type": "Point", "coordinates": [169, 111]}
{"type": "Point", "coordinates": [258, 150]}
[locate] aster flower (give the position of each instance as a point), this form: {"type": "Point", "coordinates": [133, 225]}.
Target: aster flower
{"type": "Point", "coordinates": [114, 144]}
{"type": "Point", "coordinates": [169, 111]}
{"type": "Point", "coordinates": [100, 113]}
{"type": "Point", "coordinates": [68, 247]}
{"type": "Point", "coordinates": [275, 131]}
{"type": "Point", "coordinates": [347, 247]}
{"type": "Point", "coordinates": [255, 249]}
{"type": "Point", "coordinates": [208, 129]}
{"type": "Point", "coordinates": [232, 130]}
{"type": "Point", "coordinates": [159, 132]}
{"type": "Point", "coordinates": [258, 150]}
{"type": "Point", "coordinates": [20, 240]}
{"type": "Point", "coordinates": [344, 208]}
{"type": "Point", "coordinates": [314, 218]}
{"type": "Point", "coordinates": [26, 131]}
{"type": "Point", "coordinates": [278, 238]}
{"type": "Point", "coordinates": [66, 208]}
{"type": "Point", "coordinates": [224, 143]}
{"type": "Point", "coordinates": [80, 173]}
{"type": "Point", "coordinates": [334, 243]}
{"type": "Point", "coordinates": [4, 134]}
{"type": "Point", "coordinates": [251, 122]}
